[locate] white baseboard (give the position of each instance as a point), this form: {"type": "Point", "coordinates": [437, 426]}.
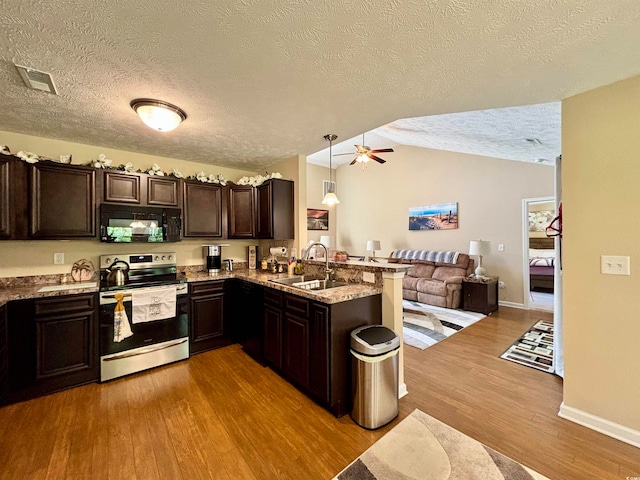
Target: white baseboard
{"type": "Point", "coordinates": [502, 303]}
{"type": "Point", "coordinates": [602, 425]}
{"type": "Point", "coordinates": [402, 390]}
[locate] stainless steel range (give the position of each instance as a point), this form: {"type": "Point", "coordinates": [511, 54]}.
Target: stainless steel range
{"type": "Point", "coordinates": [156, 304]}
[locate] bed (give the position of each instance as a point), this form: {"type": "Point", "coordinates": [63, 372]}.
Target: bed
{"type": "Point", "coordinates": [541, 264]}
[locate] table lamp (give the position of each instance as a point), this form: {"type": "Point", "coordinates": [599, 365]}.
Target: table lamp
{"type": "Point", "coordinates": [479, 248]}
{"type": "Point", "coordinates": [373, 245]}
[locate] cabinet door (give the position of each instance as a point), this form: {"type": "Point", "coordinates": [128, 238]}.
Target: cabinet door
{"type": "Point", "coordinates": [4, 370]}
{"type": "Point", "coordinates": [207, 322]}
{"type": "Point", "coordinates": [65, 344]}
{"type": "Point", "coordinates": [121, 188]}
{"type": "Point", "coordinates": [264, 210]}
{"type": "Point", "coordinates": [273, 335]}
{"type": "Point", "coordinates": [202, 210]}
{"type": "Point", "coordinates": [241, 211]}
{"type": "Point", "coordinates": [162, 191]}
{"type": "Point", "coordinates": [62, 201]}
{"type": "Point", "coordinates": [295, 349]}
{"type": "Point", "coordinates": [319, 352]}
{"type": "Point", "coordinates": [5, 199]}
{"type": "Point", "coordinates": [274, 210]}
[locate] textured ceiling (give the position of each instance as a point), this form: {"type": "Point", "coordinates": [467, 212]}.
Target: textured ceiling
{"type": "Point", "coordinates": [529, 133]}
{"type": "Point", "coordinates": [262, 80]}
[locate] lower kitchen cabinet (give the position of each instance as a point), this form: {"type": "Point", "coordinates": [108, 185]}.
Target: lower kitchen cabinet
{"type": "Point", "coordinates": [308, 343]}
{"type": "Point", "coordinates": [247, 318]}
{"type": "Point", "coordinates": [53, 344]}
{"type": "Point", "coordinates": [207, 326]}
{"type": "Point", "coordinates": [4, 370]}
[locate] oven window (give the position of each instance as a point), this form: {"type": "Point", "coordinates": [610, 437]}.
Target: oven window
{"type": "Point", "coordinates": [127, 230]}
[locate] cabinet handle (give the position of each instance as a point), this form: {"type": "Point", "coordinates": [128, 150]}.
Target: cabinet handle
{"type": "Point", "coordinates": [144, 351]}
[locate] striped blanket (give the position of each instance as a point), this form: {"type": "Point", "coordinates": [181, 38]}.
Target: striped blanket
{"type": "Point", "coordinates": [429, 255]}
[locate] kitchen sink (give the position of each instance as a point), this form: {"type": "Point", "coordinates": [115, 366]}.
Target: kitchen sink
{"type": "Point", "coordinates": [309, 283]}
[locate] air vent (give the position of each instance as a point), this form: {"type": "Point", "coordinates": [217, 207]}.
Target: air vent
{"type": "Point", "coordinates": [37, 80]}
{"type": "Point", "coordinates": [326, 185]}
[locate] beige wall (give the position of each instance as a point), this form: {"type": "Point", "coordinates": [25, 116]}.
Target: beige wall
{"type": "Point", "coordinates": [489, 191]}
{"type": "Point", "coordinates": [35, 257]}
{"type": "Point", "coordinates": [601, 197]}
{"type": "Point", "coordinates": [315, 176]}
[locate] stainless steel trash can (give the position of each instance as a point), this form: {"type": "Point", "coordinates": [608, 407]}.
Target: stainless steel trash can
{"type": "Point", "coordinates": [374, 360]}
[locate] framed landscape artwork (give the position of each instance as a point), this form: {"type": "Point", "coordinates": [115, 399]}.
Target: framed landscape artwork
{"type": "Point", "coordinates": [443, 216]}
{"type": "Point", "coordinates": [317, 219]}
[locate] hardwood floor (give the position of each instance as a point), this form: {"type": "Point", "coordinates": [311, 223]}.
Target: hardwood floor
{"type": "Point", "coordinates": [221, 415]}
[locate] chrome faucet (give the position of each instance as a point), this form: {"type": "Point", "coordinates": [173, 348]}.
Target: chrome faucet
{"type": "Point", "coordinates": [327, 271]}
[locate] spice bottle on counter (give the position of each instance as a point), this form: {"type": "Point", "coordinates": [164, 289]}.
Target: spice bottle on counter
{"type": "Point", "coordinates": [263, 264]}
{"type": "Point", "coordinates": [299, 268]}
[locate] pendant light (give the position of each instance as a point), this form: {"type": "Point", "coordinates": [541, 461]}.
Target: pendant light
{"type": "Point", "coordinates": [159, 115]}
{"type": "Point", "coordinates": [330, 198]}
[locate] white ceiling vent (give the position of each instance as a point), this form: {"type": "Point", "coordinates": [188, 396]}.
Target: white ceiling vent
{"type": "Point", "coordinates": [37, 80]}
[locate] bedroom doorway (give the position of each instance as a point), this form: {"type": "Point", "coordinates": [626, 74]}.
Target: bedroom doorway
{"type": "Point", "coordinates": [538, 253]}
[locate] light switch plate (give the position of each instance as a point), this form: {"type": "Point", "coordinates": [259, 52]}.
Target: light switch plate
{"type": "Point", "coordinates": [501, 247]}
{"type": "Point", "coordinates": [58, 258]}
{"type": "Point", "coordinates": [615, 265]}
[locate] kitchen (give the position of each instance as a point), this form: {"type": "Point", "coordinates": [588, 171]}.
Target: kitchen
{"type": "Point", "coordinates": [112, 208]}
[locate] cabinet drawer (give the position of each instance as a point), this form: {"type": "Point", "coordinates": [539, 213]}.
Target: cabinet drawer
{"type": "Point", "coordinates": [297, 306]}
{"type": "Point", "coordinates": [203, 288]}
{"type": "Point", "coordinates": [55, 305]}
{"type": "Point", "coordinates": [273, 297]}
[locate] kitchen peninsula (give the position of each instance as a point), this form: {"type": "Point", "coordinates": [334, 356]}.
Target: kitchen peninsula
{"type": "Point", "coordinates": [301, 334]}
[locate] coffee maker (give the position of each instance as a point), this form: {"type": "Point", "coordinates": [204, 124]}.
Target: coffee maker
{"type": "Point", "coordinates": [213, 255]}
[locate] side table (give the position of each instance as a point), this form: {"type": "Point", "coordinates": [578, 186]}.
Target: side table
{"type": "Point", "coordinates": [480, 294]}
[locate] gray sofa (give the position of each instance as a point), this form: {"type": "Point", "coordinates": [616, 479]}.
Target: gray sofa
{"type": "Point", "coordinates": [436, 278]}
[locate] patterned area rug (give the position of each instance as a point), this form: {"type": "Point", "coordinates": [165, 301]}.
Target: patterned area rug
{"type": "Point", "coordinates": [425, 325]}
{"type": "Point", "coordinates": [421, 447]}
{"type": "Point", "coordinates": [534, 349]}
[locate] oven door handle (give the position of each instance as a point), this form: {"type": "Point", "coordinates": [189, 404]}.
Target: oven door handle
{"type": "Point", "coordinates": [145, 351]}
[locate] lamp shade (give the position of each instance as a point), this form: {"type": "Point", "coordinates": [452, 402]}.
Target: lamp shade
{"type": "Point", "coordinates": [373, 245]}
{"type": "Point", "coordinates": [159, 115]}
{"type": "Point", "coordinates": [327, 240]}
{"type": "Point", "coordinates": [330, 199]}
{"type": "Point", "coordinates": [479, 247]}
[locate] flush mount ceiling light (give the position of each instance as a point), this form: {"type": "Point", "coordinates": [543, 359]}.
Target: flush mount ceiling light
{"type": "Point", "coordinates": [159, 115]}
{"type": "Point", "coordinates": [330, 198]}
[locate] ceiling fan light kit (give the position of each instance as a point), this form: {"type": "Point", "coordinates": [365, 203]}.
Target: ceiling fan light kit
{"type": "Point", "coordinates": [157, 114]}
{"type": "Point", "coordinates": [364, 154]}
{"type": "Point", "coordinates": [330, 198]}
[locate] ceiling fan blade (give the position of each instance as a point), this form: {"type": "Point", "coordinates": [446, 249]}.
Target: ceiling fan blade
{"type": "Point", "coordinates": [382, 150]}
{"type": "Point", "coordinates": [338, 154]}
{"type": "Point", "coordinates": [377, 159]}
{"type": "Point", "coordinates": [354, 161]}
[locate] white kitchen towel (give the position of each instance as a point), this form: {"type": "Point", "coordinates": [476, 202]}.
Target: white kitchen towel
{"type": "Point", "coordinates": [153, 304]}
{"type": "Point", "coordinates": [121, 327]}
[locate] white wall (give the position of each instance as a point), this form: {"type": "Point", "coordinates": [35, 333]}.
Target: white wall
{"type": "Point", "coordinates": [375, 205]}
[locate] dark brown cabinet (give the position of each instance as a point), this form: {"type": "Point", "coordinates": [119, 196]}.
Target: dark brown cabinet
{"type": "Point", "coordinates": [272, 343]}
{"type": "Point", "coordinates": [207, 326]}
{"type": "Point", "coordinates": [203, 209]}
{"type": "Point", "coordinates": [242, 211]}
{"type": "Point", "coordinates": [140, 189]}
{"type": "Point", "coordinates": [308, 343]}
{"type": "Point", "coordinates": [13, 198]}
{"type": "Point", "coordinates": [4, 364]}
{"type": "Point", "coordinates": [480, 295]}
{"type": "Point", "coordinates": [274, 210]}
{"type": "Point", "coordinates": [54, 344]}
{"type": "Point", "coordinates": [62, 203]}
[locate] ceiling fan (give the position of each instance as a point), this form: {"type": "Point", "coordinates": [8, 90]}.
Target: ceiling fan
{"type": "Point", "coordinates": [364, 154]}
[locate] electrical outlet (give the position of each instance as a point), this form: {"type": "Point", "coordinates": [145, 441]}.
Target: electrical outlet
{"type": "Point", "coordinates": [501, 247]}
{"type": "Point", "coordinates": [500, 284]}
{"type": "Point", "coordinates": [58, 258]}
{"type": "Point", "coordinates": [368, 277]}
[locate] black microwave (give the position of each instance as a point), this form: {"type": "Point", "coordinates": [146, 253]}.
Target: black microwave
{"type": "Point", "coordinates": [132, 224]}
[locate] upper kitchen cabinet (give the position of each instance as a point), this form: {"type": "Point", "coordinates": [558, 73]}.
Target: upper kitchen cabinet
{"type": "Point", "coordinates": [204, 209]}
{"type": "Point", "coordinates": [242, 201]}
{"type": "Point", "coordinates": [274, 210]}
{"type": "Point", "coordinates": [62, 201]}
{"type": "Point", "coordinates": [140, 189]}
{"type": "Point", "coordinates": [13, 198]}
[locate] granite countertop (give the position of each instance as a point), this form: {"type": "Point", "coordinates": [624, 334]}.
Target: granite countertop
{"type": "Point", "coordinates": [332, 295]}
{"type": "Point", "coordinates": [30, 290]}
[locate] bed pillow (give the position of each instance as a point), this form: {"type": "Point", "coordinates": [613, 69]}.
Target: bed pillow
{"type": "Point", "coordinates": [541, 258]}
